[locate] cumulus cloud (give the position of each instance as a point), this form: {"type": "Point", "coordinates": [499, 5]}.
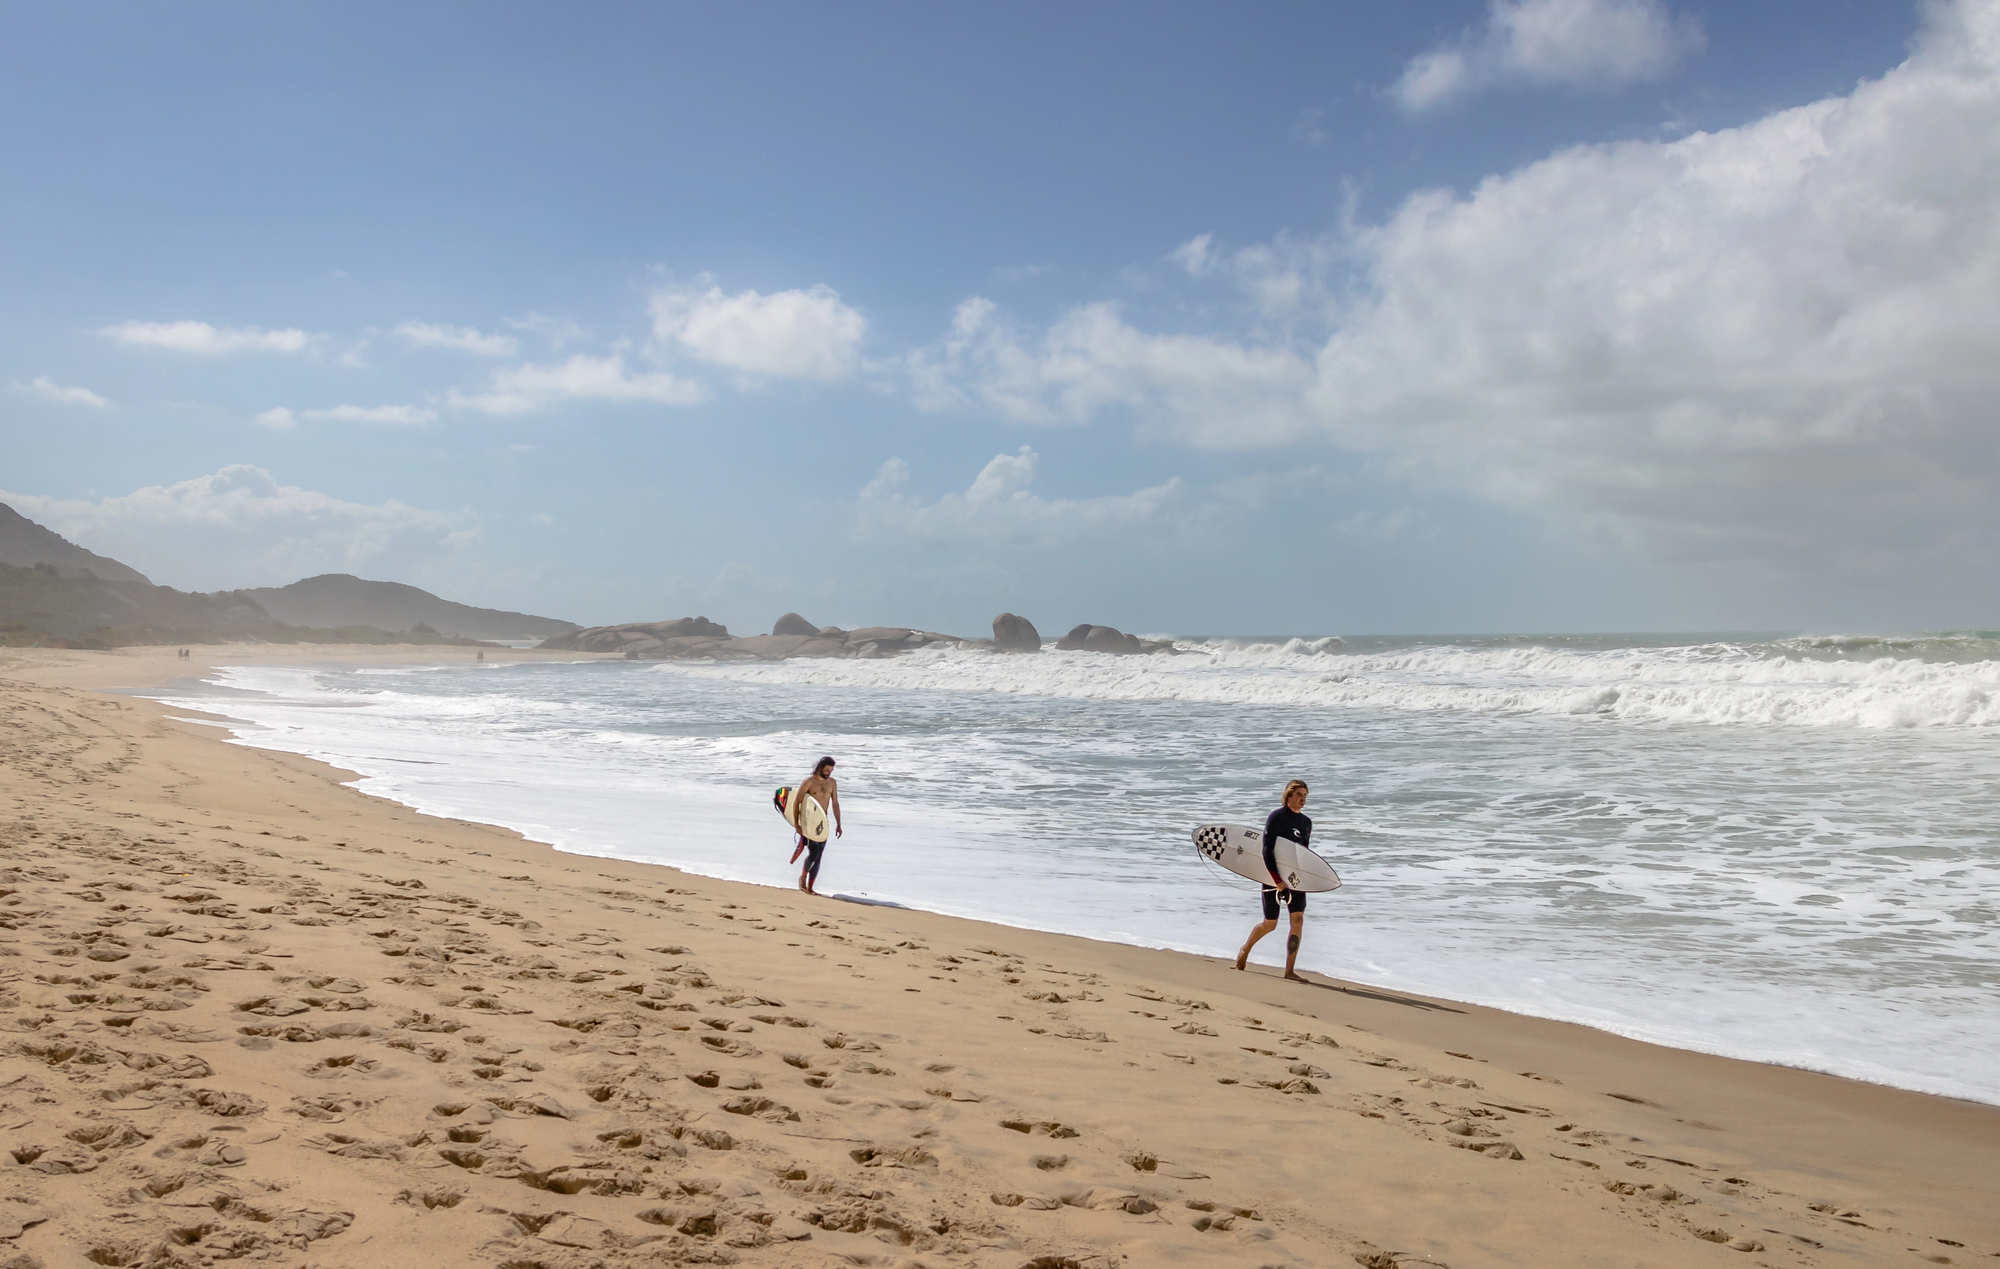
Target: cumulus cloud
{"type": "Point", "coordinates": [1092, 361]}
{"type": "Point", "coordinates": [206, 340]}
{"type": "Point", "coordinates": [49, 390]}
{"type": "Point", "coordinates": [1777, 339]}
{"type": "Point", "coordinates": [1592, 44]}
{"type": "Point", "coordinates": [797, 334]}
{"type": "Point", "coordinates": [1000, 507]}
{"type": "Point", "coordinates": [240, 527]}
{"type": "Point", "coordinates": [524, 389]}
{"type": "Point", "coordinates": [283, 418]}
{"type": "Point", "coordinates": [457, 338]}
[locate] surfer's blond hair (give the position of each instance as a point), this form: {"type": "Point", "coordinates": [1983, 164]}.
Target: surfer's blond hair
{"type": "Point", "coordinates": [1296, 786]}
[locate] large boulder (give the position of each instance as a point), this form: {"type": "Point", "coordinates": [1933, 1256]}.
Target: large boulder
{"type": "Point", "coordinates": [776, 647]}
{"type": "Point", "coordinates": [793, 624]}
{"type": "Point", "coordinates": [1015, 634]}
{"type": "Point", "coordinates": [1089, 638]}
{"type": "Point", "coordinates": [690, 648]}
{"type": "Point", "coordinates": [621, 638]}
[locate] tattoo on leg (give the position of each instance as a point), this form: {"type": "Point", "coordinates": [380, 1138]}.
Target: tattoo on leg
{"type": "Point", "coordinates": [1292, 944]}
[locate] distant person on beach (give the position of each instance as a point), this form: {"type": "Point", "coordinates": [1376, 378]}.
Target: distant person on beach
{"type": "Point", "coordinates": [1289, 822]}
{"type": "Point", "coordinates": [821, 786]}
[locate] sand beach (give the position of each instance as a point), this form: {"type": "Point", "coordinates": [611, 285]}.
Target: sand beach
{"type": "Point", "coordinates": [248, 1013]}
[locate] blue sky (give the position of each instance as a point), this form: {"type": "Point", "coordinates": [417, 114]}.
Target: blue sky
{"type": "Point", "coordinates": [1531, 314]}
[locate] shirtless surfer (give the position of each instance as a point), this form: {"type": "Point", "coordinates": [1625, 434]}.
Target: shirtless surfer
{"type": "Point", "coordinates": [1288, 822]}
{"type": "Point", "coordinates": [822, 787]}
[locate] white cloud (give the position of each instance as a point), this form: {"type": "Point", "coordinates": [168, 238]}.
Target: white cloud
{"type": "Point", "coordinates": [522, 389]}
{"type": "Point", "coordinates": [1597, 44]}
{"type": "Point", "coordinates": [283, 418]}
{"type": "Point", "coordinates": [201, 338]}
{"type": "Point", "coordinates": [240, 527]}
{"type": "Point", "coordinates": [807, 334]}
{"type": "Point", "coordinates": [1000, 507]}
{"type": "Point", "coordinates": [1092, 361]}
{"type": "Point", "coordinates": [49, 390]}
{"type": "Point", "coordinates": [557, 330]}
{"type": "Point", "coordinates": [458, 338]}
{"type": "Point", "coordinates": [1777, 340]}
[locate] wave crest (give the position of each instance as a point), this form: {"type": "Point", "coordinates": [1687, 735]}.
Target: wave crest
{"type": "Point", "coordinates": [1915, 681]}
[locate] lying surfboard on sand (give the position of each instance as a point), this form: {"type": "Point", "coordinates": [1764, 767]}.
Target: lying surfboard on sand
{"type": "Point", "coordinates": [1240, 849]}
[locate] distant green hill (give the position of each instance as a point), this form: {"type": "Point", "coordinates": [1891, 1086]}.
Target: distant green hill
{"type": "Point", "coordinates": [341, 599]}
{"type": "Point", "coordinates": [23, 543]}
{"type": "Point", "coordinates": [41, 607]}
{"type": "Point", "coordinates": [40, 599]}
{"type": "Point", "coordinates": [55, 592]}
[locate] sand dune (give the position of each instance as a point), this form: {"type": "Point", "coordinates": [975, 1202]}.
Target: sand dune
{"type": "Point", "coordinates": [248, 1013]}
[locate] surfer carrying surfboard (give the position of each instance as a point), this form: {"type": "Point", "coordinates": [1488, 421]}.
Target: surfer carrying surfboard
{"type": "Point", "coordinates": [1289, 823]}
{"type": "Point", "coordinates": [823, 789]}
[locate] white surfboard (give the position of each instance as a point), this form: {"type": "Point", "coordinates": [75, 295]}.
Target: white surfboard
{"type": "Point", "coordinates": [1240, 849]}
{"type": "Point", "coordinates": [808, 816]}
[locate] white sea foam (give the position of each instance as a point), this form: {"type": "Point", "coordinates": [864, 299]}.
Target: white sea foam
{"type": "Point", "coordinates": [1714, 683]}
{"type": "Point", "coordinates": [1774, 851]}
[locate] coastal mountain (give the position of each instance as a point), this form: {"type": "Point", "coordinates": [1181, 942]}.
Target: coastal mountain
{"type": "Point", "coordinates": [39, 603]}
{"type": "Point", "coordinates": [24, 544]}
{"type": "Point", "coordinates": [341, 599]}
{"type": "Point", "coordinates": [53, 591]}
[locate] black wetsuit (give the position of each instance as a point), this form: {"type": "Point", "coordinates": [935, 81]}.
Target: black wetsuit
{"type": "Point", "coordinates": [1292, 826]}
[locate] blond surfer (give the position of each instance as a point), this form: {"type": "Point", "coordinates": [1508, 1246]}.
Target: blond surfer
{"type": "Point", "coordinates": [1290, 823]}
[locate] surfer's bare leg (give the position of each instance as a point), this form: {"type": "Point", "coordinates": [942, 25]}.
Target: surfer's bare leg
{"type": "Point", "coordinates": [1259, 931]}
{"type": "Point", "coordinates": [1292, 946]}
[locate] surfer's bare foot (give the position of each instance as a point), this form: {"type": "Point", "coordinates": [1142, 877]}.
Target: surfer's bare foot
{"type": "Point", "coordinates": [1295, 977]}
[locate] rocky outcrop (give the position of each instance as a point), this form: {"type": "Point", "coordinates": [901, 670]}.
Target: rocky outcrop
{"type": "Point", "coordinates": [638, 634]}
{"type": "Point", "coordinates": [1089, 638]}
{"type": "Point", "coordinates": [699, 639]}
{"type": "Point", "coordinates": [1015, 634]}
{"type": "Point", "coordinates": [793, 624]}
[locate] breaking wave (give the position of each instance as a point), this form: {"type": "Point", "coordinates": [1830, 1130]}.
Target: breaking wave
{"type": "Point", "coordinates": [1829, 681]}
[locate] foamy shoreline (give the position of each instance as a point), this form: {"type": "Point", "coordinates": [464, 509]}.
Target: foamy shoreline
{"type": "Point", "coordinates": [1437, 911]}
{"type": "Point", "coordinates": [1388, 1147]}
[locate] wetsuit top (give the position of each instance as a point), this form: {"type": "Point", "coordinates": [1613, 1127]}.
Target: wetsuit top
{"type": "Point", "coordinates": [1291, 825]}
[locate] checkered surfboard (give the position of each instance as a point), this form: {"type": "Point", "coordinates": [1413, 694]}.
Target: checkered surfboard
{"type": "Point", "coordinates": [1240, 849]}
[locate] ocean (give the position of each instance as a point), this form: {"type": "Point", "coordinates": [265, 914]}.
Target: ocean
{"type": "Point", "coordinates": [1783, 850]}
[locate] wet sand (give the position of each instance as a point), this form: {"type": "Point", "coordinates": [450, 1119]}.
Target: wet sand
{"type": "Point", "coordinates": [249, 1013]}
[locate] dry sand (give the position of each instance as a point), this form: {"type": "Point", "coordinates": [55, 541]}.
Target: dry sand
{"type": "Point", "coordinates": [249, 1013]}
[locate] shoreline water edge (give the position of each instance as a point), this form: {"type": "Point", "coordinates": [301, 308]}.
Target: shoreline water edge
{"type": "Point", "coordinates": [317, 1019]}
{"type": "Point", "coordinates": [1796, 887]}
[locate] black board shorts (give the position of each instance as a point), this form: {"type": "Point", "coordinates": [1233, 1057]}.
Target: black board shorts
{"type": "Point", "coordinates": [1296, 901]}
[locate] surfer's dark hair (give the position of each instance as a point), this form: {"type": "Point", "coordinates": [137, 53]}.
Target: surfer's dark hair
{"type": "Point", "coordinates": [1296, 786]}
{"type": "Point", "coordinates": [822, 765]}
